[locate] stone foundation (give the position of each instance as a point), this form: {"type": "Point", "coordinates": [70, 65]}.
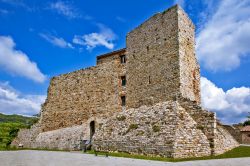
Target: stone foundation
{"type": "Point", "coordinates": [165, 129]}
{"type": "Point", "coordinates": [66, 138]}
{"type": "Point", "coordinates": [223, 141]}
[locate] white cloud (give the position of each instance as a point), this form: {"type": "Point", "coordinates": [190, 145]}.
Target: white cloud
{"type": "Point", "coordinates": [13, 102]}
{"type": "Point", "coordinates": [103, 38]}
{"type": "Point", "coordinates": [65, 9]}
{"type": "Point", "coordinates": [231, 106]}
{"type": "Point", "coordinates": [16, 62]}
{"type": "Point", "coordinates": [60, 42]}
{"type": "Point", "coordinates": [18, 3]}
{"type": "Point", "coordinates": [224, 39]}
{"type": "Point", "coordinates": [180, 2]}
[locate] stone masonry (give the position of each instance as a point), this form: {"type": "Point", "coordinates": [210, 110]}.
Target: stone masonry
{"type": "Point", "coordinates": [165, 129]}
{"type": "Point", "coordinates": [143, 99]}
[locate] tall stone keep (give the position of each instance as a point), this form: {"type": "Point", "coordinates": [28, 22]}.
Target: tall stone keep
{"type": "Point", "coordinates": [161, 63]}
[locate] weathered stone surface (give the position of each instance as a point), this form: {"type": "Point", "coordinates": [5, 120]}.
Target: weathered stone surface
{"type": "Point", "coordinates": [164, 129]}
{"type": "Point", "coordinates": [75, 97]}
{"type": "Point", "coordinates": [27, 137]}
{"type": "Point", "coordinates": [235, 132]}
{"type": "Point", "coordinates": [66, 138]}
{"type": "Point", "coordinates": [223, 141]}
{"type": "Point", "coordinates": [189, 67]}
{"type": "Point", "coordinates": [161, 60]}
{"type": "Point", "coordinates": [245, 137]}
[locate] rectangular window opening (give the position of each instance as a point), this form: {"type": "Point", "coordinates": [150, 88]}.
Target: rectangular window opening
{"type": "Point", "coordinates": [123, 58]}
{"type": "Point", "coordinates": [123, 78]}
{"type": "Point", "coordinates": [123, 98]}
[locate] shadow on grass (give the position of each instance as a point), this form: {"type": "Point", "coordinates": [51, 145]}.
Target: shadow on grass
{"type": "Point", "coordinates": [241, 151]}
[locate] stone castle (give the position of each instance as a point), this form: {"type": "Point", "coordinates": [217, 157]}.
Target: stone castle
{"type": "Point", "coordinates": [143, 99]}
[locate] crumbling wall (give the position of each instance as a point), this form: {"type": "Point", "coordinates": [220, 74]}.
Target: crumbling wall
{"type": "Point", "coordinates": [164, 129]}
{"type": "Point", "coordinates": [234, 131]}
{"type": "Point", "coordinates": [75, 97]}
{"type": "Point", "coordinates": [245, 137]}
{"type": "Point", "coordinates": [66, 138]}
{"type": "Point", "coordinates": [223, 141]}
{"type": "Point", "coordinates": [27, 137]}
{"type": "Point", "coordinates": [205, 120]}
{"type": "Point", "coordinates": [220, 139]}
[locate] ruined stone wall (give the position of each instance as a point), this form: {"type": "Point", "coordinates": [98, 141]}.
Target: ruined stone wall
{"type": "Point", "coordinates": [205, 120]}
{"type": "Point", "coordinates": [223, 141]}
{"type": "Point", "coordinates": [219, 137]}
{"type": "Point", "coordinates": [234, 131]}
{"type": "Point", "coordinates": [164, 129]}
{"type": "Point", "coordinates": [189, 67]}
{"type": "Point", "coordinates": [245, 137]}
{"type": "Point", "coordinates": [27, 137]}
{"type": "Point", "coordinates": [63, 139]}
{"type": "Point", "coordinates": [75, 97]}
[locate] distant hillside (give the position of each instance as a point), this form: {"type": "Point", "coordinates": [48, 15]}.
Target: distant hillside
{"type": "Point", "coordinates": [10, 125]}
{"type": "Point", "coordinates": [18, 119]}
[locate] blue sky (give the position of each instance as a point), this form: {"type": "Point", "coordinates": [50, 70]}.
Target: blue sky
{"type": "Point", "coordinates": [41, 39]}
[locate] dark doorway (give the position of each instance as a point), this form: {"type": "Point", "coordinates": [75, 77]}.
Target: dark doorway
{"type": "Point", "coordinates": [92, 128]}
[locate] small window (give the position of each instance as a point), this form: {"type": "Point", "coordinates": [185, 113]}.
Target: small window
{"type": "Point", "coordinates": [123, 98]}
{"type": "Point", "coordinates": [123, 78]}
{"type": "Point", "coordinates": [123, 58]}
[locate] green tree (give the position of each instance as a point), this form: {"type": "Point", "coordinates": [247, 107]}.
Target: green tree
{"type": "Point", "coordinates": [247, 122]}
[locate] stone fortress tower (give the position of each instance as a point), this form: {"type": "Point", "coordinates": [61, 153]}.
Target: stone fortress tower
{"type": "Point", "coordinates": [142, 99]}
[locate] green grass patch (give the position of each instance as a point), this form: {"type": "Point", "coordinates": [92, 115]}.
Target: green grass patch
{"type": "Point", "coordinates": [242, 151]}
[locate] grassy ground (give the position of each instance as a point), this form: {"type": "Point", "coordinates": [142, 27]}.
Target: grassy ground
{"type": "Point", "coordinates": [242, 151]}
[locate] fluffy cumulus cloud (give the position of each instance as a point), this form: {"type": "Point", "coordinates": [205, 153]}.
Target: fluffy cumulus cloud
{"type": "Point", "coordinates": [13, 102]}
{"type": "Point", "coordinates": [57, 41]}
{"type": "Point", "coordinates": [224, 39]}
{"type": "Point", "coordinates": [65, 9]}
{"type": "Point", "coordinates": [231, 106]}
{"type": "Point", "coordinates": [104, 37]}
{"type": "Point", "coordinates": [16, 62]}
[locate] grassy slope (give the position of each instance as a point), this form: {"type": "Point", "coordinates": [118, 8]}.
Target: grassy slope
{"type": "Point", "coordinates": [9, 126]}
{"type": "Point", "coordinates": [238, 152]}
